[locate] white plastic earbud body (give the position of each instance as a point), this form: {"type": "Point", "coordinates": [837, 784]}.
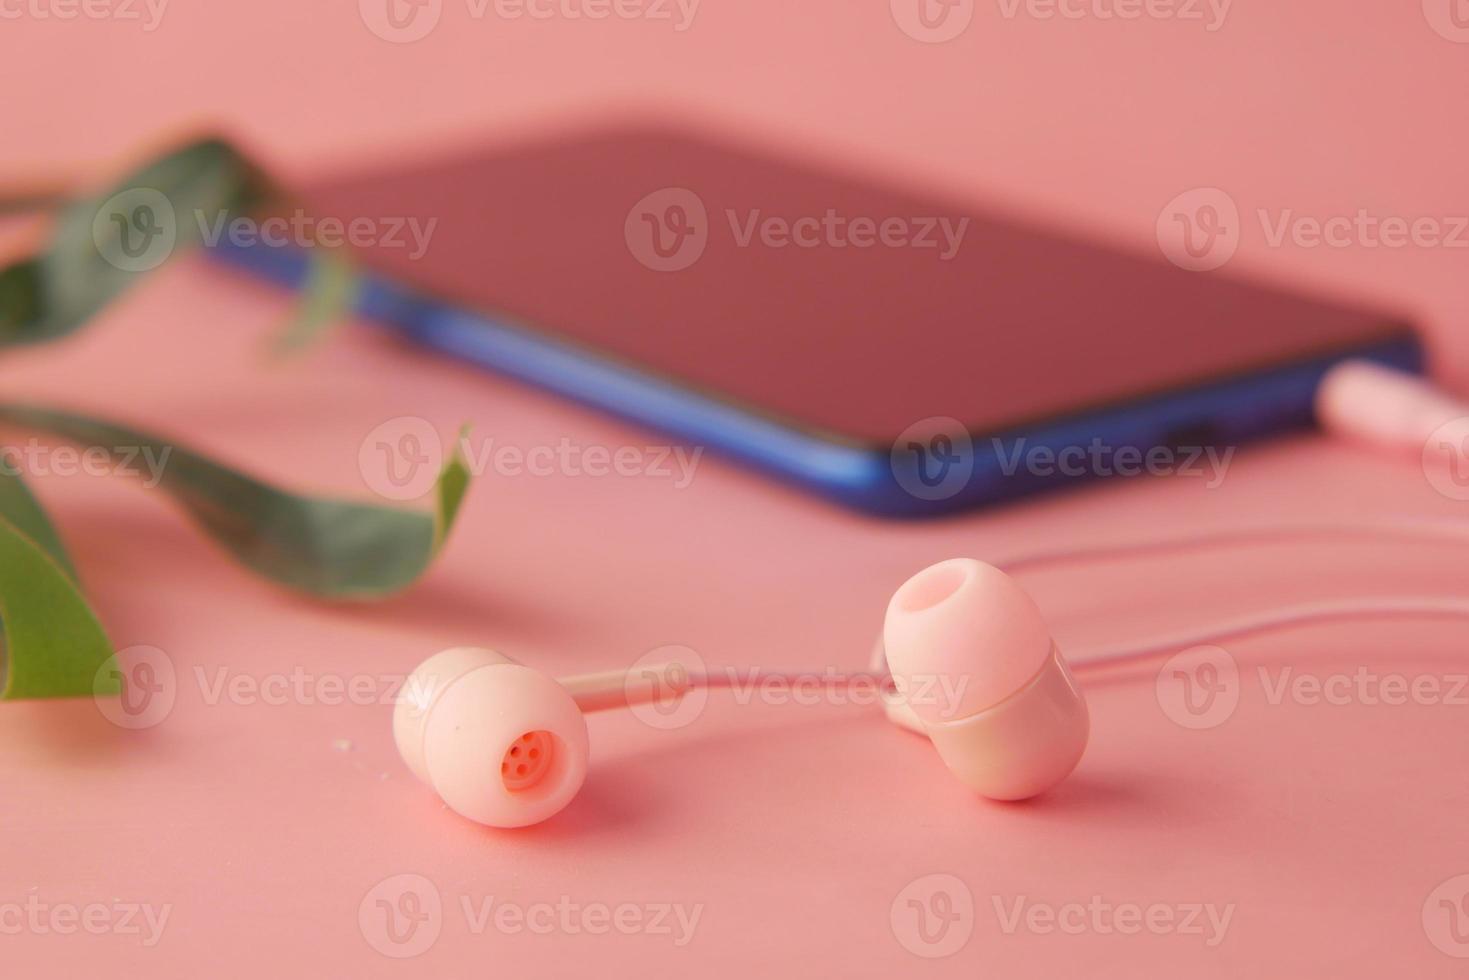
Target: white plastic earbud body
{"type": "Point", "coordinates": [975, 664]}
{"type": "Point", "coordinates": [502, 744]}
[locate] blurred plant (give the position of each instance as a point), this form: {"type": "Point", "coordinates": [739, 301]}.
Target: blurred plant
{"type": "Point", "coordinates": [332, 549]}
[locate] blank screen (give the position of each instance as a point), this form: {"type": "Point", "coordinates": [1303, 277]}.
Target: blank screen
{"type": "Point", "coordinates": [852, 335]}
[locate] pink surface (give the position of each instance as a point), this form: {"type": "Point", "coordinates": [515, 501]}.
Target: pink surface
{"type": "Point", "coordinates": [801, 833]}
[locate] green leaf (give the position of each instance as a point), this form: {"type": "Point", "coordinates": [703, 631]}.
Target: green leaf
{"type": "Point", "coordinates": [329, 548]}
{"type": "Point", "coordinates": [54, 646]}
{"type": "Point", "coordinates": [24, 513]}
{"type": "Point", "coordinates": [104, 242]}
{"type": "Point", "coordinates": [30, 202]}
{"type": "Point", "coordinates": [327, 297]}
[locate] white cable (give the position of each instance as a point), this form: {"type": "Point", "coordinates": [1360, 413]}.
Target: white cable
{"type": "Point", "coordinates": [1288, 616]}
{"type": "Point", "coordinates": [1436, 529]}
{"type": "Point", "coordinates": [1442, 530]}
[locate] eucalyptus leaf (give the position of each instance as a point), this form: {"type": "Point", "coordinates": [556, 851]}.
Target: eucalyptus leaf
{"type": "Point", "coordinates": [23, 511]}
{"type": "Point", "coordinates": [105, 241]}
{"type": "Point", "coordinates": [54, 646]}
{"type": "Point", "coordinates": [327, 296]}
{"type": "Point", "coordinates": [22, 202]}
{"type": "Point", "coordinates": [329, 548]}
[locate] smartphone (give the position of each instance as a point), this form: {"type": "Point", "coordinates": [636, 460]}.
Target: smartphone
{"type": "Point", "coordinates": [895, 352]}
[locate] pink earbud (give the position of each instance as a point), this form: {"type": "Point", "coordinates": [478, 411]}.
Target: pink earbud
{"type": "Point", "coordinates": [974, 661]}
{"type": "Point", "coordinates": [971, 658]}
{"type": "Point", "coordinates": [506, 745]}
{"type": "Point", "coordinates": [503, 744]}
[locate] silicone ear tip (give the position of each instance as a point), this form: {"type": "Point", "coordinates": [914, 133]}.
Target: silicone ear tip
{"type": "Point", "coordinates": [506, 746]}
{"type": "Point", "coordinates": [423, 688]}
{"type": "Point", "coordinates": [961, 637]}
{"type": "Point", "coordinates": [502, 744]}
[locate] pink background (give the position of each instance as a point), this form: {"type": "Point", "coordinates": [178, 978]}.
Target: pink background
{"type": "Point", "coordinates": [796, 828]}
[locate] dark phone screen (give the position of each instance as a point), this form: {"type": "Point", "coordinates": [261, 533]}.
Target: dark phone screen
{"type": "Point", "coordinates": [829, 303]}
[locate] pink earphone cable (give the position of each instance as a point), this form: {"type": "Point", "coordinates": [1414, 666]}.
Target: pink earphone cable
{"type": "Point", "coordinates": [1436, 529]}
{"type": "Point", "coordinates": [1270, 620]}
{"type": "Point", "coordinates": [1442, 530]}
{"type": "Point", "coordinates": [1286, 617]}
{"type": "Point", "coordinates": [1452, 530]}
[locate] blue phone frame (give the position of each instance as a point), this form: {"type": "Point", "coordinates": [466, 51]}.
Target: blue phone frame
{"type": "Point", "coordinates": [1230, 411]}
